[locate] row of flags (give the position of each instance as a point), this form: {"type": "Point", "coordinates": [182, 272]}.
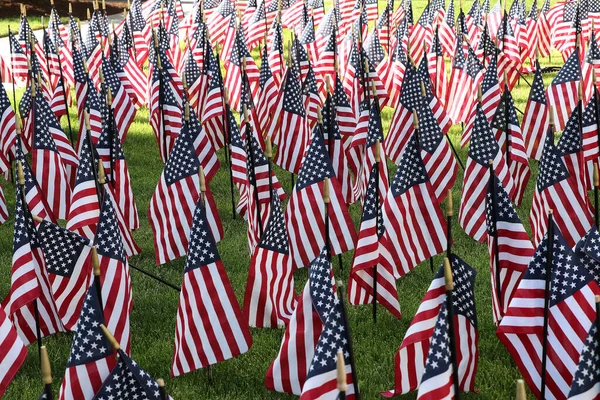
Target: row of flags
{"type": "Point", "coordinates": [300, 110]}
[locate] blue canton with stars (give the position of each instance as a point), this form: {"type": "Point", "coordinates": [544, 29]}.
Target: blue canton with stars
{"type": "Point", "coordinates": [439, 356]}
{"type": "Point", "coordinates": [183, 161]}
{"type": "Point", "coordinates": [588, 249]}
{"type": "Point", "coordinates": [373, 203]}
{"type": "Point", "coordinates": [483, 146]}
{"type": "Point", "coordinates": [537, 92]}
{"type": "Point", "coordinates": [85, 173]}
{"type": "Point", "coordinates": [128, 381]}
{"type": "Point", "coordinates": [202, 249]}
{"type": "Point", "coordinates": [316, 165]}
{"type": "Point", "coordinates": [430, 133]}
{"type": "Point", "coordinates": [570, 140]}
{"type": "Point", "coordinates": [570, 71]}
{"type": "Point", "coordinates": [551, 168]}
{"type": "Point", "coordinates": [375, 130]}
{"type": "Point", "coordinates": [502, 210]}
{"type": "Point", "coordinates": [275, 237]}
{"type": "Point", "coordinates": [108, 240]}
{"type": "Point", "coordinates": [62, 248]}
{"type": "Point", "coordinates": [587, 374]}
{"type": "Point", "coordinates": [321, 285]}
{"type": "Point", "coordinates": [505, 115]}
{"type": "Point", "coordinates": [292, 99]}
{"type": "Point", "coordinates": [411, 170]}
{"type": "Point", "coordinates": [89, 343]}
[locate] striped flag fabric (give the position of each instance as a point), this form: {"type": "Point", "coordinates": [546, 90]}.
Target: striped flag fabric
{"type": "Point", "coordinates": [413, 221]}
{"type": "Point", "coordinates": [305, 212]}
{"type": "Point", "coordinates": [13, 351]}
{"type": "Point", "coordinates": [562, 92]}
{"type": "Point", "coordinates": [346, 117]}
{"type": "Point", "coordinates": [218, 20]}
{"type": "Point", "coordinates": [3, 208]}
{"type": "Point", "coordinates": [370, 251]}
{"type": "Point", "coordinates": [123, 106]}
{"type": "Point", "coordinates": [321, 379]}
{"type": "Point", "coordinates": [172, 205]}
{"type": "Point", "coordinates": [269, 299]}
{"type": "Point", "coordinates": [558, 189]}
{"type": "Point", "coordinates": [36, 201]}
{"type": "Point", "coordinates": [210, 325]}
{"type": "Point", "coordinates": [8, 130]}
{"type": "Point", "coordinates": [213, 110]}
{"type": "Point", "coordinates": [69, 267]}
{"type": "Point", "coordinates": [509, 247]}
{"type": "Point", "coordinates": [447, 36]}
{"type": "Point", "coordinates": [505, 126]}
{"type": "Point", "coordinates": [132, 77]}
{"type": "Point", "coordinates": [288, 372]}
{"type": "Point", "coordinates": [18, 58]}
{"type": "Point", "coordinates": [289, 126]}
{"type": "Point", "coordinates": [458, 76]}
{"type": "Point", "coordinates": [49, 168]}
{"type": "Point", "coordinates": [90, 360]}
{"type": "Point", "coordinates": [268, 93]}
{"type": "Point", "coordinates": [85, 207]}
{"type": "Point", "coordinates": [437, 70]}
{"type": "Point", "coordinates": [117, 298]}
{"type": "Point", "coordinates": [571, 311]}
{"type": "Point", "coordinates": [482, 149]}
{"type": "Point", "coordinates": [235, 77]}
{"type": "Point", "coordinates": [410, 360]}
{"type": "Point", "coordinates": [536, 117]}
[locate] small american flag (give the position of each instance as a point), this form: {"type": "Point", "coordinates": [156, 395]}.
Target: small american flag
{"type": "Point", "coordinates": [437, 70]}
{"type": "Point", "coordinates": [69, 269]}
{"type": "Point", "coordinates": [411, 358]}
{"type": "Point", "coordinates": [114, 275]}
{"type": "Point", "coordinates": [268, 93]}
{"type": "Point", "coordinates": [483, 148]}
{"type": "Point", "coordinates": [36, 201]}
{"type": "Point", "coordinates": [234, 78]}
{"type": "Point", "coordinates": [269, 300]}
{"type": "Point", "coordinates": [290, 131]}
{"type": "Point", "coordinates": [509, 247]}
{"type": "Point", "coordinates": [217, 22]}
{"type": "Point", "coordinates": [586, 380]}
{"type": "Point", "coordinates": [321, 382]}
{"type": "Point", "coordinates": [276, 48]}
{"type": "Point", "coordinates": [371, 252]}
{"type": "Point", "coordinates": [561, 188]}
{"type": "Point", "coordinates": [588, 250]}
{"type": "Point", "coordinates": [171, 207]}
{"type": "Point", "coordinates": [123, 107]}
{"type": "Point", "coordinates": [8, 131]}
{"type": "Point", "coordinates": [457, 79]}
{"type": "Point", "coordinates": [210, 324]}
{"type": "Point", "coordinates": [132, 77]}
{"type": "Point", "coordinates": [90, 360]}
{"type": "Point", "coordinates": [536, 117]}
{"type": "Point", "coordinates": [346, 118]}
{"type": "Point", "coordinates": [571, 312]}
{"type": "Point", "coordinates": [213, 110]}
{"type": "Point", "coordinates": [13, 350]}
{"type": "Point", "coordinates": [562, 92]}
{"type": "Point", "coordinates": [305, 213]}
{"type": "Point", "coordinates": [409, 203]}
{"type": "Point", "coordinates": [447, 37]}
{"type": "Point", "coordinates": [18, 58]}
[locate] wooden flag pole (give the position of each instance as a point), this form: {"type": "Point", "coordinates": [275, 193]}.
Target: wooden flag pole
{"type": "Point", "coordinates": [449, 215]}
{"type": "Point", "coordinates": [597, 319]}
{"type": "Point", "coordinates": [521, 393]}
{"type": "Point", "coordinates": [506, 116]}
{"type": "Point", "coordinates": [27, 212]}
{"type": "Point", "coordinates": [449, 284]}
{"type": "Point", "coordinates": [111, 134]}
{"type": "Point", "coordinates": [228, 145]}
{"type": "Point", "coordinates": [596, 184]}
{"type": "Point", "coordinates": [596, 101]}
{"type": "Point", "coordinates": [161, 389]}
{"type": "Point", "coordinates": [46, 374]}
{"type": "Point", "coordinates": [97, 283]}
{"type": "Point", "coordinates": [549, 254]}
{"type": "Point", "coordinates": [111, 339]}
{"type": "Point", "coordinates": [494, 199]}
{"type": "Point", "coordinates": [251, 169]}
{"type": "Point", "coordinates": [341, 375]}
{"type": "Point", "coordinates": [340, 293]}
{"type": "Point", "coordinates": [327, 200]}
{"type": "Point", "coordinates": [377, 221]}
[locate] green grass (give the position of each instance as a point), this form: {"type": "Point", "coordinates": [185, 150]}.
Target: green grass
{"type": "Point", "coordinates": [155, 306]}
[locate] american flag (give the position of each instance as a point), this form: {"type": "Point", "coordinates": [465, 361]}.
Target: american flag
{"type": "Point", "coordinates": [507, 41]}
{"type": "Point", "coordinates": [257, 26]}
{"type": "Point", "coordinates": [18, 58]}
{"type": "Point", "coordinates": [413, 221]}
{"type": "Point", "coordinates": [532, 29]}
{"type": "Point", "coordinates": [370, 251]}
{"type": "Point", "coordinates": [49, 167]}
{"type": "Point", "coordinates": [172, 205]}
{"type": "Point", "coordinates": [483, 148]}
{"type": "Point", "coordinates": [3, 209]}
{"type": "Point", "coordinates": [114, 275]}
{"type": "Point", "coordinates": [268, 93]}
{"type": "Point", "coordinates": [305, 213]}
{"type": "Point", "coordinates": [128, 381]}
{"type": "Point", "coordinates": [234, 78]}
{"type": "Point", "coordinates": [312, 100]}
{"type": "Point", "coordinates": [289, 126]}
{"type": "Point", "coordinates": [196, 80]}
{"type": "Point", "coordinates": [132, 77]}
{"type": "Point", "coordinates": [123, 107]}
{"type": "Point", "coordinates": [213, 111]}
{"type": "Point", "coordinates": [325, 64]}
{"type": "Point", "coordinates": [536, 117]}
{"type": "Point", "coordinates": [589, 130]}
{"type": "Point", "coordinates": [321, 379]}
{"type": "Point", "coordinates": [410, 360]}
{"type": "Point", "coordinates": [210, 324]}
{"type": "Point", "coordinates": [586, 380]}
{"type": "Point", "coordinates": [437, 70]}
{"type": "Point", "coordinates": [587, 250]}
{"type": "Point", "coordinates": [88, 99]}
{"type": "Point", "coordinates": [505, 126]}
{"type": "Point", "coordinates": [85, 207]}
{"type": "Point", "coordinates": [288, 372]}
{"type": "Point", "coordinates": [68, 261]}
{"type": "Point", "coordinates": [457, 82]}
{"type": "Point", "coordinates": [383, 27]}
{"type": "Point", "coordinates": [544, 32]}
{"type": "Point", "coordinates": [141, 32]}
{"type": "Point", "coordinates": [561, 188]}
{"type": "Point", "coordinates": [269, 299]}
{"type": "Point", "coordinates": [13, 350]}
{"type": "Point", "coordinates": [8, 129]}
{"type": "Point", "coordinates": [217, 22]}
{"type": "Point", "coordinates": [571, 311]}
{"type": "Point", "coordinates": [346, 118]}
{"type": "Point", "coordinates": [381, 65]}
{"type": "Point", "coordinates": [440, 164]}
{"type": "Point", "coordinates": [562, 92]}
{"type": "Point", "coordinates": [276, 48]}
{"type": "Point", "coordinates": [447, 37]}
{"type": "Point", "coordinates": [308, 39]}
{"type": "Point", "coordinates": [509, 247]}
{"type": "Point", "coordinates": [36, 201]}
{"type": "Point", "coordinates": [29, 280]}
{"type": "Point", "coordinates": [90, 360]}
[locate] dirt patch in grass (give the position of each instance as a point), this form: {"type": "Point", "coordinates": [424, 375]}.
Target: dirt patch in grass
{"type": "Point", "coordinates": [10, 8]}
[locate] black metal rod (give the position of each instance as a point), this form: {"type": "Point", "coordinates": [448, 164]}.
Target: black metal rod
{"type": "Point", "coordinates": [506, 116]}
{"type": "Point", "coordinates": [375, 272]}
{"type": "Point", "coordinates": [455, 152]}
{"type": "Point", "coordinates": [151, 275]}
{"type": "Point", "coordinates": [549, 255]}
{"type": "Point", "coordinates": [494, 200]}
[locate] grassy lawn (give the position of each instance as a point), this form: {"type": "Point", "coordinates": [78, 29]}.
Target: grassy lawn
{"type": "Point", "coordinates": [34, 20]}
{"type": "Point", "coordinates": [155, 306]}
